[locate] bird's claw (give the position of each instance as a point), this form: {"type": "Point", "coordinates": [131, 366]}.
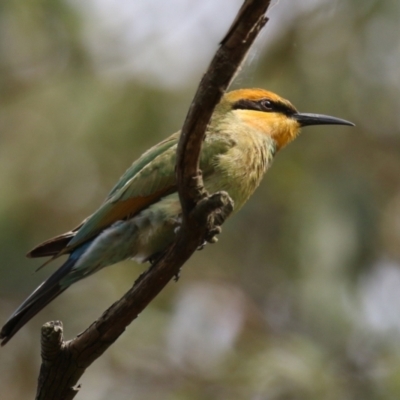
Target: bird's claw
{"type": "Point", "coordinates": [211, 236]}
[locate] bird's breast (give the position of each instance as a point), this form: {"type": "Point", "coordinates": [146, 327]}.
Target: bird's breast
{"type": "Point", "coordinates": [239, 171]}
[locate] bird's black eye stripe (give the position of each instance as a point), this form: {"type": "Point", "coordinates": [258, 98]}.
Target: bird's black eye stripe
{"type": "Point", "coordinates": [244, 104]}
{"type": "Point", "coordinates": [266, 105]}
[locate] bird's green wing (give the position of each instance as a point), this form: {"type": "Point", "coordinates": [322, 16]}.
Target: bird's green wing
{"type": "Point", "coordinates": [147, 158]}
{"type": "Point", "coordinates": [149, 178]}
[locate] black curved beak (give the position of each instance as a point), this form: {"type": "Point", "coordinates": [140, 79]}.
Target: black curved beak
{"type": "Point", "coordinates": [306, 119]}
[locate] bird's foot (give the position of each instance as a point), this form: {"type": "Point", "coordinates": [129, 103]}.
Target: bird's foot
{"type": "Point", "coordinates": [217, 208]}
{"type": "Point", "coordinates": [211, 236]}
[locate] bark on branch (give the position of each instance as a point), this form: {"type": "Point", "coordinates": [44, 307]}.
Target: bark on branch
{"type": "Point", "coordinates": [63, 363]}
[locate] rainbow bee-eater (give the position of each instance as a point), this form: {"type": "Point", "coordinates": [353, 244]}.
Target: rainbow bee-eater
{"type": "Point", "coordinates": [139, 217]}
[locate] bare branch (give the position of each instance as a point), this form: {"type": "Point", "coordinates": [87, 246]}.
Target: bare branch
{"type": "Point", "coordinates": [65, 362]}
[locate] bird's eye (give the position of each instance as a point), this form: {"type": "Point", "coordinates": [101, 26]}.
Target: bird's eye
{"type": "Point", "coordinates": [267, 105]}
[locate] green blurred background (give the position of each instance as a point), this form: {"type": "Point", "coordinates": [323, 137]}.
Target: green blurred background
{"type": "Point", "coordinates": [300, 299]}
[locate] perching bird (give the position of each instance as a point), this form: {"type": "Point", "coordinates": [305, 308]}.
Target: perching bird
{"type": "Point", "coordinates": [140, 215]}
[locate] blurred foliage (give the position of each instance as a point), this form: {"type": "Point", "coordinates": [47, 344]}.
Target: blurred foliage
{"type": "Point", "coordinates": [299, 299]}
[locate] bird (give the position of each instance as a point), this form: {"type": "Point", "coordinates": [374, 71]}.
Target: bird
{"type": "Point", "coordinates": [140, 216]}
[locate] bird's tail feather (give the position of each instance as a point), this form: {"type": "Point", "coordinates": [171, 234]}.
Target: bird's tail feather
{"type": "Point", "coordinates": [43, 295]}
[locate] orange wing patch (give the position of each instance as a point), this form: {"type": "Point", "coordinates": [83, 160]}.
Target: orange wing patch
{"type": "Point", "coordinates": [120, 210]}
{"type": "Point", "coordinates": [130, 207]}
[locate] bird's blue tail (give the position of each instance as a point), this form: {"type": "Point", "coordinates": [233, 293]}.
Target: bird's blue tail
{"type": "Point", "coordinates": [42, 296]}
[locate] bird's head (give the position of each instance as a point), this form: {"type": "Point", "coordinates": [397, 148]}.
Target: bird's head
{"type": "Point", "coordinates": [273, 115]}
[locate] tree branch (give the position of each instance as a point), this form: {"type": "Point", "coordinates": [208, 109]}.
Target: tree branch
{"type": "Point", "coordinates": [63, 363]}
